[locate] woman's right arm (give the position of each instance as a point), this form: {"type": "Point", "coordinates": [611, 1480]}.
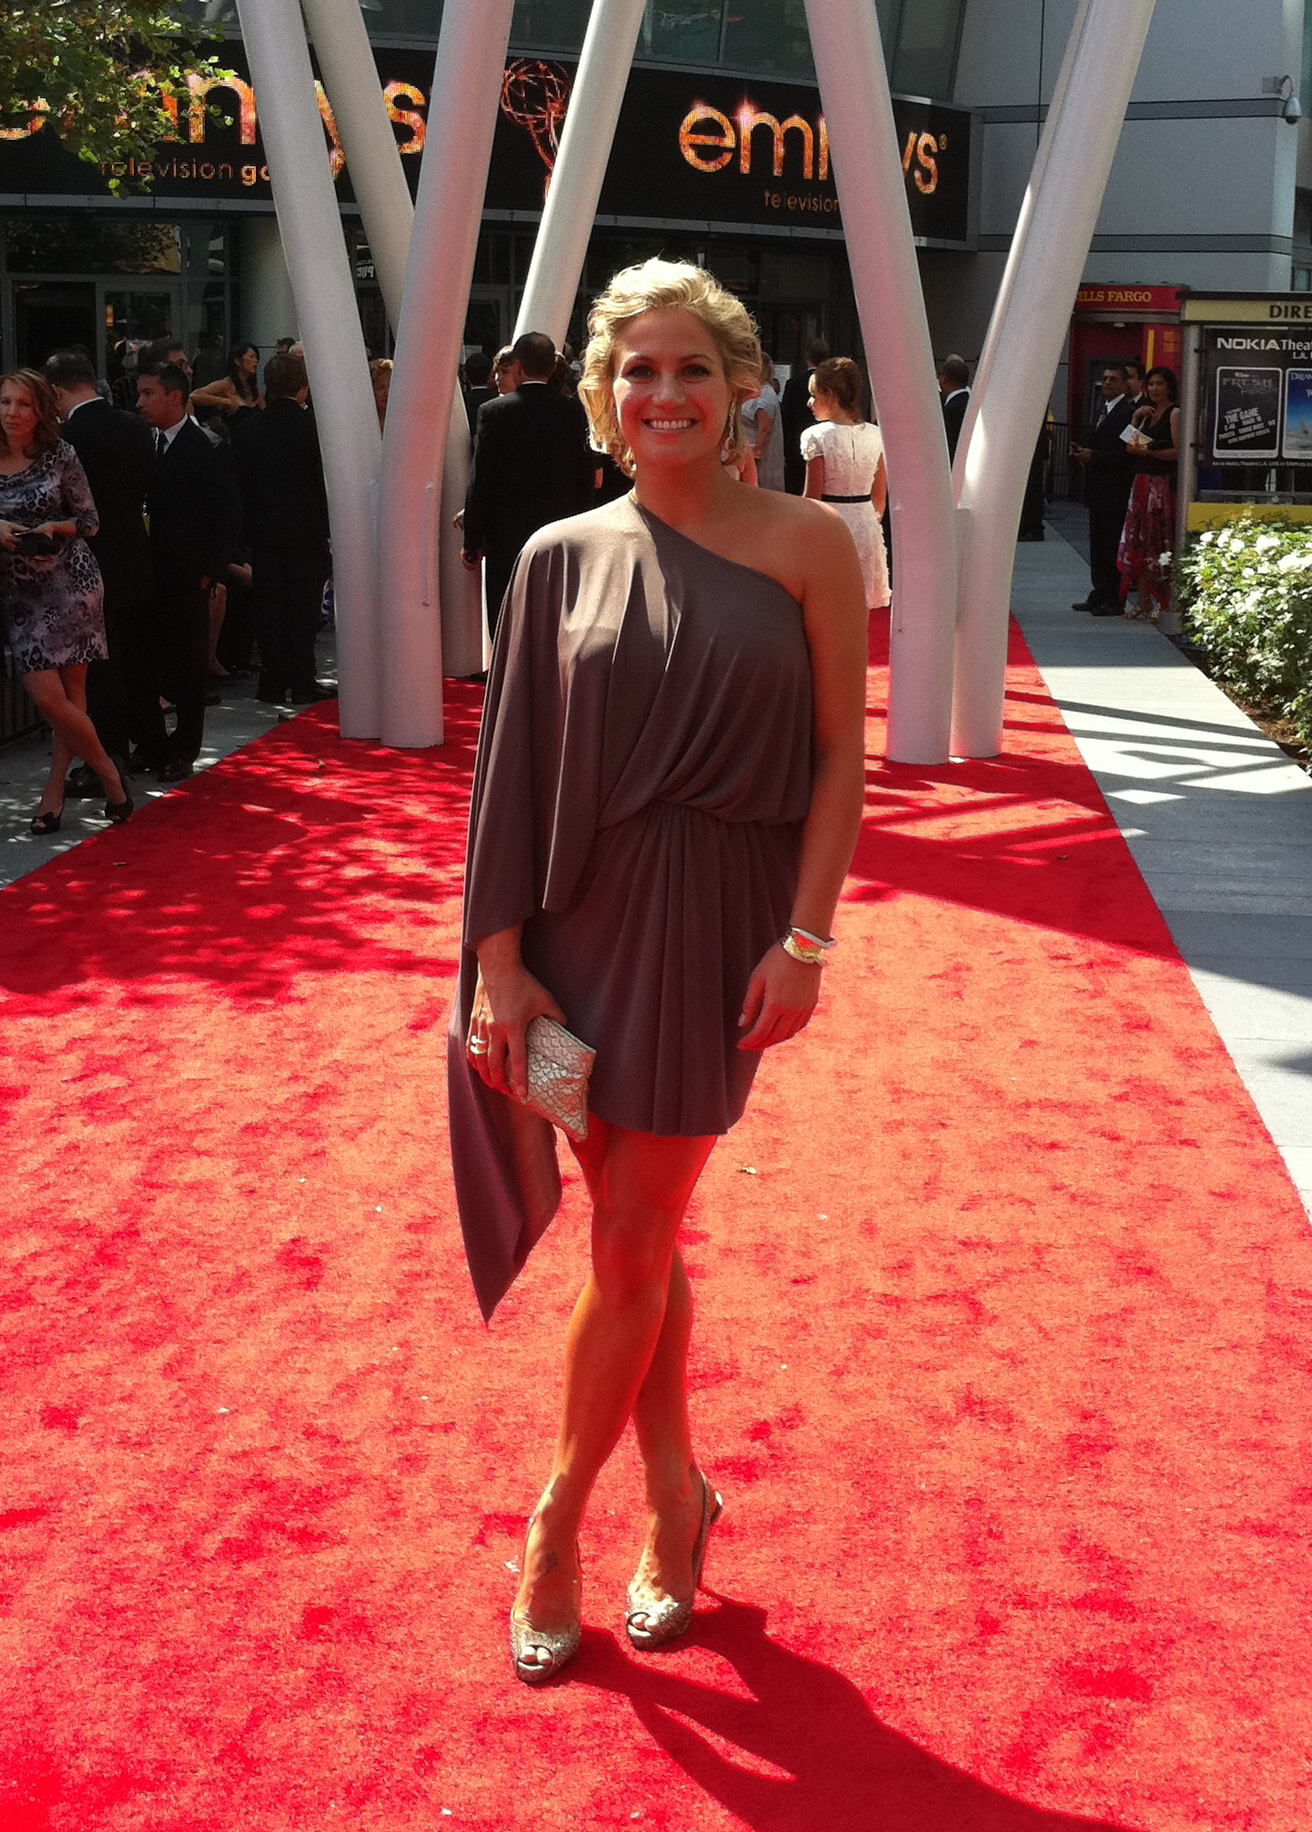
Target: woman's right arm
{"type": "Point", "coordinates": [879, 489]}
{"type": "Point", "coordinates": [506, 1000]}
{"type": "Point", "coordinates": [217, 394]}
{"type": "Point", "coordinates": [815, 479]}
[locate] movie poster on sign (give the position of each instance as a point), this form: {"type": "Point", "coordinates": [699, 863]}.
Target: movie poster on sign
{"type": "Point", "coordinates": [1297, 442]}
{"type": "Point", "coordinates": [1247, 424]}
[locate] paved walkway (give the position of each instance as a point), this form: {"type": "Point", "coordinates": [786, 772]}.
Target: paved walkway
{"type": "Point", "coordinates": [24, 763]}
{"type": "Point", "coordinates": [1218, 819]}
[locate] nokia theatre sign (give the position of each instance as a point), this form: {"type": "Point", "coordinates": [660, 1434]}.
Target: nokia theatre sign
{"type": "Point", "coordinates": [701, 150]}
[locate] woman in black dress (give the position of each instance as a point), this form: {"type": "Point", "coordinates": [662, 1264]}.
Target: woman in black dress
{"type": "Point", "coordinates": [668, 791]}
{"type": "Point", "coordinates": [50, 590]}
{"type": "Point", "coordinates": [237, 394]}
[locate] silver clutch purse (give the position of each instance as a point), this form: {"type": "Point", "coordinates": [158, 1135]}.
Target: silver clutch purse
{"type": "Point", "coordinates": [558, 1070]}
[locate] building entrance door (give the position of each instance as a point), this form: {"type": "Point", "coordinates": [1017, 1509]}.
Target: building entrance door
{"type": "Point", "coordinates": [131, 315]}
{"type": "Point", "coordinates": [50, 315]}
{"type": "Point", "coordinates": [488, 319]}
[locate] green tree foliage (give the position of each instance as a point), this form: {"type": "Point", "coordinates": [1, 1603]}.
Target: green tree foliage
{"type": "Point", "coordinates": [100, 74]}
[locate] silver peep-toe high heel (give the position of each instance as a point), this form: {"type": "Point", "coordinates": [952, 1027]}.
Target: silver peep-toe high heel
{"type": "Point", "coordinates": [560, 1647]}
{"type": "Point", "coordinates": [651, 1625]}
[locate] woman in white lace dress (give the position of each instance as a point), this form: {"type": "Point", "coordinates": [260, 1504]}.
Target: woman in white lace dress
{"type": "Point", "coordinates": [844, 457]}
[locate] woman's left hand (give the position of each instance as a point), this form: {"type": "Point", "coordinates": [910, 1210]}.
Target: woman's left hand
{"type": "Point", "coordinates": [781, 995]}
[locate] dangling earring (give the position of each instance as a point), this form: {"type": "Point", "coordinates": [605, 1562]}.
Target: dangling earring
{"type": "Point", "coordinates": [728, 441]}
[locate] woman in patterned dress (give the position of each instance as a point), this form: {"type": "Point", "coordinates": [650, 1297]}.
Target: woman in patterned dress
{"type": "Point", "coordinates": [1148, 537]}
{"type": "Point", "coordinates": [50, 589]}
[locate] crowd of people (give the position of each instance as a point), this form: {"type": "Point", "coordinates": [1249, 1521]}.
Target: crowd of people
{"type": "Point", "coordinates": [159, 534]}
{"type": "Point", "coordinates": [535, 460]}
{"type": "Point", "coordinates": [146, 532]}
{"type": "Point", "coordinates": [1130, 462]}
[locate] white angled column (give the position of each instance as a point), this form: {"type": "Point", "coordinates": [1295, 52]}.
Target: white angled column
{"type": "Point", "coordinates": [1024, 343]}
{"type": "Point", "coordinates": [329, 325]}
{"type": "Point", "coordinates": [373, 164]}
{"type": "Point", "coordinates": [1002, 303]}
{"type": "Point", "coordinates": [567, 217]}
{"type": "Point", "coordinates": [849, 59]}
{"type": "Point", "coordinates": [462, 117]}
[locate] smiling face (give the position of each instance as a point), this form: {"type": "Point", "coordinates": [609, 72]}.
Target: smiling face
{"type": "Point", "coordinates": [18, 415]}
{"type": "Point", "coordinates": [671, 396]}
{"type": "Point", "coordinates": [1158, 392]}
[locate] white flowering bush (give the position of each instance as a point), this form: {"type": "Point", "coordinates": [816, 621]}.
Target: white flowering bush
{"type": "Point", "coordinates": [1246, 594]}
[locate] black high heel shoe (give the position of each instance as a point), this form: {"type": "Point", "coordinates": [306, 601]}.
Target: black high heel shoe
{"type": "Point", "coordinates": [49, 821]}
{"type": "Point", "coordinates": [117, 812]}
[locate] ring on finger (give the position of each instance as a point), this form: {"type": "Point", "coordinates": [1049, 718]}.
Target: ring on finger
{"type": "Point", "coordinates": [477, 1046]}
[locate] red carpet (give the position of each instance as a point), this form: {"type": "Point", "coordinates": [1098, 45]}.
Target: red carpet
{"type": "Point", "coordinates": [1002, 1360]}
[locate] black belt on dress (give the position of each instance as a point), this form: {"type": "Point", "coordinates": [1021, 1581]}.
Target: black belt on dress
{"type": "Point", "coordinates": [844, 499]}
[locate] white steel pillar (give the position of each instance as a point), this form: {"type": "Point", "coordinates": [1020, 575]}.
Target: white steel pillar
{"type": "Point", "coordinates": [346, 61]}
{"type": "Point", "coordinates": [1024, 343]}
{"type": "Point", "coordinates": [849, 59]}
{"type": "Point", "coordinates": [462, 117]}
{"type": "Point", "coordinates": [329, 325]}
{"type": "Point", "coordinates": [571, 205]}
{"type": "Point", "coordinates": [346, 64]}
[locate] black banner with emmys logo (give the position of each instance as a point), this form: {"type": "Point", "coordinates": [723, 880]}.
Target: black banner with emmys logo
{"type": "Point", "coordinates": [703, 149]}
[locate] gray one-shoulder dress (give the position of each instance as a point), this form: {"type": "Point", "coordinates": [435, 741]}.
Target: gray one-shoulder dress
{"type": "Point", "coordinates": [644, 770]}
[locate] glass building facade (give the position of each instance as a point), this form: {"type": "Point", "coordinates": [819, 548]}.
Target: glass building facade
{"type": "Point", "coordinates": [196, 259]}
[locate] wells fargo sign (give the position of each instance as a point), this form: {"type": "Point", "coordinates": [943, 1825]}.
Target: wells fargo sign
{"type": "Point", "coordinates": [702, 149]}
{"type": "Point", "coordinates": [1132, 300]}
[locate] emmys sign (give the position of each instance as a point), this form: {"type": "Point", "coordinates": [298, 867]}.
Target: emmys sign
{"type": "Point", "coordinates": [698, 149]}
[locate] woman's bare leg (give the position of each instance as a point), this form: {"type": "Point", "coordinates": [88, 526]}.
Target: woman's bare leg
{"type": "Point", "coordinates": [60, 696]}
{"type": "Point", "coordinates": [674, 1488]}
{"type": "Point", "coordinates": [61, 758]}
{"type": "Point", "coordinates": [640, 1188]}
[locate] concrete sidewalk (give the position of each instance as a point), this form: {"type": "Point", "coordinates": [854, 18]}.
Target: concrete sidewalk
{"type": "Point", "coordinates": [1219, 821]}
{"type": "Point", "coordinates": [24, 765]}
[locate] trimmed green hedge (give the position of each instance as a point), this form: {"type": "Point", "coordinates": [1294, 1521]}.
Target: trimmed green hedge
{"type": "Point", "coordinates": [1246, 594]}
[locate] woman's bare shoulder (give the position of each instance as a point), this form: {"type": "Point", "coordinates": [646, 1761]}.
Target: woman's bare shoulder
{"type": "Point", "coordinates": [797, 518]}
{"type": "Point", "coordinates": [803, 545]}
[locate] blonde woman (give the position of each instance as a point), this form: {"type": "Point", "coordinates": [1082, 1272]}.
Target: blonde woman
{"type": "Point", "coordinates": [667, 794]}
{"type": "Point", "coordinates": [844, 457]}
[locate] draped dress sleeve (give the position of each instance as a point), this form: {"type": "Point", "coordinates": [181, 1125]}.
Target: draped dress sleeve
{"type": "Point", "coordinates": [643, 770]}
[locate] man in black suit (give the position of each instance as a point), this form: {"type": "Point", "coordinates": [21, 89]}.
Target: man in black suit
{"type": "Point", "coordinates": [118, 456]}
{"type": "Point", "coordinates": [195, 523]}
{"type": "Point", "coordinates": [532, 465]}
{"type": "Point", "coordinates": [285, 512]}
{"type": "Point", "coordinates": [477, 385]}
{"type": "Point", "coordinates": [954, 386]}
{"type": "Point", "coordinates": [1110, 478]}
{"type": "Point", "coordinates": [795, 415]}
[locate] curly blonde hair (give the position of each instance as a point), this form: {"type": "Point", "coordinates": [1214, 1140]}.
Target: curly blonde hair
{"type": "Point", "coordinates": [655, 286]}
